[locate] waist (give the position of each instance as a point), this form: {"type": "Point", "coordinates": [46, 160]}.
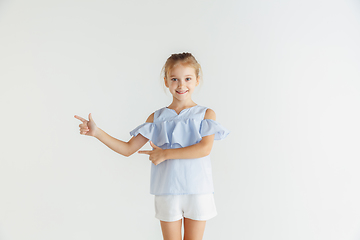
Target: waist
{"type": "Point", "coordinates": [182, 176]}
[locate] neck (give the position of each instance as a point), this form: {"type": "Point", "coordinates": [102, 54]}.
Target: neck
{"type": "Point", "coordinates": [176, 104]}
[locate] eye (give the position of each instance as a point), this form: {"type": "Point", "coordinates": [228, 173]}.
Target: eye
{"type": "Point", "coordinates": [188, 79]}
{"type": "Point", "coordinates": [173, 79]}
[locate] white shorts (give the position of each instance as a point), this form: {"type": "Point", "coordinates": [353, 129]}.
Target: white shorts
{"type": "Point", "coordinates": [171, 208]}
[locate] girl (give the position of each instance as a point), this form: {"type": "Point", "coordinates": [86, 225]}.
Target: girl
{"type": "Point", "coordinates": [182, 136]}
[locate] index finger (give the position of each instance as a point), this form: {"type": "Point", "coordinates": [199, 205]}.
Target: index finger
{"type": "Point", "coordinates": [80, 118]}
{"type": "Point", "coordinates": [145, 152]}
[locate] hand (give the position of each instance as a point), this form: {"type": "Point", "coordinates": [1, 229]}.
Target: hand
{"type": "Point", "coordinates": [157, 155]}
{"type": "Point", "coordinates": [88, 128]}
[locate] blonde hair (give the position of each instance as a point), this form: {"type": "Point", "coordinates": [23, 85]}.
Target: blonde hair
{"type": "Point", "coordinates": [184, 58]}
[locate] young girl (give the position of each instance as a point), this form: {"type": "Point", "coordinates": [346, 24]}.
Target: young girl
{"type": "Point", "coordinates": [182, 136]}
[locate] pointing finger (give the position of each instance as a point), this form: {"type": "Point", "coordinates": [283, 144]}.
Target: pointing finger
{"type": "Point", "coordinates": [80, 118]}
{"type": "Point", "coordinates": [145, 152]}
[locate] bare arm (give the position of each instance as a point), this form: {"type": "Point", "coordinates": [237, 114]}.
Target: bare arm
{"type": "Point", "coordinates": [121, 147]}
{"type": "Point", "coordinates": [124, 148]}
{"type": "Point", "coordinates": [201, 149]}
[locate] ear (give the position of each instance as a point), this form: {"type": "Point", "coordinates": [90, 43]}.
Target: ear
{"type": "Point", "coordinates": [197, 81]}
{"type": "Point", "coordinates": [166, 83]}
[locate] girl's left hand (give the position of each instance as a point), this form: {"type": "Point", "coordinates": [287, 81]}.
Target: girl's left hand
{"type": "Point", "coordinates": [157, 155]}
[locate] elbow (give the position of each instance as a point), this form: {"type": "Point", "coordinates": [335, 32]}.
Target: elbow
{"type": "Point", "coordinates": [206, 145]}
{"type": "Point", "coordinates": [127, 153]}
{"type": "Point", "coordinates": [207, 151]}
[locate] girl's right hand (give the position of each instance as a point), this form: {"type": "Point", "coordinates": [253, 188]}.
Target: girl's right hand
{"type": "Point", "coordinates": [88, 128]}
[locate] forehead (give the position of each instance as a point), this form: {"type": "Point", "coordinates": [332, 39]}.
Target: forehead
{"type": "Point", "coordinates": [180, 69]}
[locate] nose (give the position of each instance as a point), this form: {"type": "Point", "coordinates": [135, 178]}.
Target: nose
{"type": "Point", "coordinates": [180, 83]}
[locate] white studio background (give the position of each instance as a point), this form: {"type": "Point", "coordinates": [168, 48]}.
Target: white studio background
{"type": "Point", "coordinates": [282, 76]}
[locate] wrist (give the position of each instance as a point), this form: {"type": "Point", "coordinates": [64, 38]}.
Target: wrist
{"type": "Point", "coordinates": [98, 133]}
{"type": "Point", "coordinates": [167, 153]}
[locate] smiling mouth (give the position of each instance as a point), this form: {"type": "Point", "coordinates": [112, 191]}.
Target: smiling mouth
{"type": "Point", "coordinates": [182, 92]}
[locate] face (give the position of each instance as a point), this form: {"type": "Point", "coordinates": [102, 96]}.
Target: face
{"type": "Point", "coordinates": [181, 82]}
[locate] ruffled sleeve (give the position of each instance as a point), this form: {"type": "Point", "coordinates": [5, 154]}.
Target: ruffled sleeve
{"type": "Point", "coordinates": [209, 127]}
{"type": "Point", "coordinates": [173, 134]}
{"type": "Point", "coordinates": [145, 129]}
{"type": "Point", "coordinates": [156, 132]}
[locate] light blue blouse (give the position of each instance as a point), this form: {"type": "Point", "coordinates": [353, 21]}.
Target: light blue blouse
{"type": "Point", "coordinates": [172, 130]}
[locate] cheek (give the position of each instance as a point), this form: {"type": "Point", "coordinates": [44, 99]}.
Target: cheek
{"type": "Point", "coordinates": [173, 84]}
{"type": "Point", "coordinates": [192, 85]}
{"type": "Point", "coordinates": [170, 84]}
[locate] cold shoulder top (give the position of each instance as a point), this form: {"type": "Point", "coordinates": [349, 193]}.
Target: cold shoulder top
{"type": "Point", "coordinates": [172, 130]}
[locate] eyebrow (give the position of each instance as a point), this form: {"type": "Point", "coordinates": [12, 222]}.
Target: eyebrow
{"type": "Point", "coordinates": [185, 75]}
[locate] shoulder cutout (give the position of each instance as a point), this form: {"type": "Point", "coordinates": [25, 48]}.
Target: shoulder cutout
{"type": "Point", "coordinates": [210, 114]}
{"type": "Point", "coordinates": [150, 118]}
